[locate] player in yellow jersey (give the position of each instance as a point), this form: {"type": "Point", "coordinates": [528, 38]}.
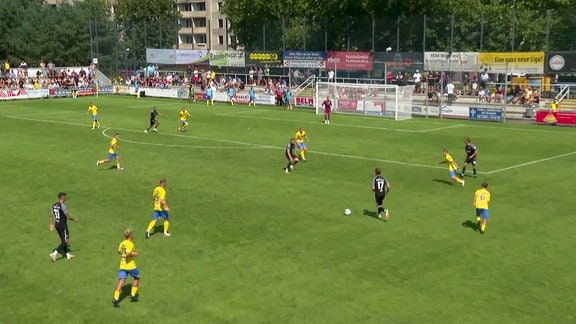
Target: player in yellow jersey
{"type": "Point", "coordinates": [92, 109]}
{"type": "Point", "coordinates": [128, 267]}
{"type": "Point", "coordinates": [161, 209]}
{"type": "Point", "coordinates": [113, 153]}
{"type": "Point", "coordinates": [452, 167]}
{"type": "Point", "coordinates": [481, 202]}
{"type": "Point", "coordinates": [301, 138]}
{"type": "Point", "coordinates": [183, 117]}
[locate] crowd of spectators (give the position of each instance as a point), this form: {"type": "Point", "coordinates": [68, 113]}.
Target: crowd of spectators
{"type": "Point", "coordinates": [45, 76]}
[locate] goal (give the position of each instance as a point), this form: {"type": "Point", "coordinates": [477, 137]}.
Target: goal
{"type": "Point", "coordinates": [382, 100]}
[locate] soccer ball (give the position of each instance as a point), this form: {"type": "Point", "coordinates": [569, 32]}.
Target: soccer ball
{"type": "Point", "coordinates": [347, 212]}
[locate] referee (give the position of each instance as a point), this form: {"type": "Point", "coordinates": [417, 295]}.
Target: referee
{"type": "Point", "coordinates": [59, 217]}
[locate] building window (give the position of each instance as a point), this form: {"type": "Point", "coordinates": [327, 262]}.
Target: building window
{"type": "Point", "coordinates": [199, 6]}
{"type": "Point", "coordinates": [186, 23]}
{"type": "Point", "coordinates": [199, 22]}
{"type": "Point", "coordinates": [188, 39]}
{"type": "Point", "coordinates": [200, 38]}
{"type": "Point", "coordinates": [221, 40]}
{"type": "Point", "coordinates": [186, 7]}
{"type": "Point", "coordinates": [220, 23]}
{"type": "Point", "coordinates": [219, 5]}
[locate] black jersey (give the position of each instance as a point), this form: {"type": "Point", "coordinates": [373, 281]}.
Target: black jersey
{"type": "Point", "coordinates": [470, 149]}
{"type": "Point", "coordinates": [290, 147]}
{"type": "Point", "coordinates": [153, 114]}
{"type": "Point", "coordinates": [380, 184]}
{"type": "Point", "coordinates": [60, 212]}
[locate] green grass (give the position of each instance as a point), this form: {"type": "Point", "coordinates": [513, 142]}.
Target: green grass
{"type": "Point", "coordinates": [252, 244]}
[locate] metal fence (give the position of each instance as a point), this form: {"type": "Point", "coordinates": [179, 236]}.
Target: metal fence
{"type": "Point", "coordinates": [123, 47]}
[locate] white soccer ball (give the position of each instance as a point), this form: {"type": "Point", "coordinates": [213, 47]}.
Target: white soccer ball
{"type": "Point", "coordinates": [347, 212]}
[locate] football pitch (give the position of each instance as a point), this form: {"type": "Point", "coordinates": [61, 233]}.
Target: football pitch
{"type": "Point", "coordinates": [252, 244]}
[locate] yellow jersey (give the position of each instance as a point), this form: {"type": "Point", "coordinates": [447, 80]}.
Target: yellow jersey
{"type": "Point", "coordinates": [450, 161]}
{"type": "Point", "coordinates": [93, 110]}
{"type": "Point", "coordinates": [159, 194]}
{"type": "Point", "coordinates": [126, 262]}
{"type": "Point", "coordinates": [113, 146]}
{"type": "Point", "coordinates": [481, 198]}
{"type": "Point", "coordinates": [300, 136]}
{"type": "Point", "coordinates": [184, 114]}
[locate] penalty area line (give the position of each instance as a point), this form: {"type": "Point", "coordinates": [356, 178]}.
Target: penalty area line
{"type": "Point", "coordinates": [530, 163]}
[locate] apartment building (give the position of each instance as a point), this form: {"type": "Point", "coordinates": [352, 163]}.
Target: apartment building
{"type": "Point", "coordinates": [203, 26]}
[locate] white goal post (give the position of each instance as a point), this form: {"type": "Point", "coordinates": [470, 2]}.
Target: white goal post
{"type": "Point", "coordinates": [381, 100]}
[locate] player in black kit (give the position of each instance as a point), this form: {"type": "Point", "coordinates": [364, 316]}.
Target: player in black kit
{"type": "Point", "coordinates": [291, 155]}
{"type": "Point", "coordinates": [154, 113]}
{"type": "Point", "coordinates": [381, 187]}
{"type": "Point", "coordinates": [471, 153]}
{"type": "Point", "coordinates": [59, 217]}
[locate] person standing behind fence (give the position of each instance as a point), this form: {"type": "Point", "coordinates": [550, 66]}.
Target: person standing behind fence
{"type": "Point", "coordinates": [554, 107]}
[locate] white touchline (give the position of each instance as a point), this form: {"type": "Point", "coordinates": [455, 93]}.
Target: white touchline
{"type": "Point", "coordinates": [249, 145]}
{"type": "Point", "coordinates": [530, 163]}
{"type": "Point", "coordinates": [439, 128]}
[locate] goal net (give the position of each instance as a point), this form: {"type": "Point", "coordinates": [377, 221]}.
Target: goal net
{"type": "Point", "coordinates": [382, 100]}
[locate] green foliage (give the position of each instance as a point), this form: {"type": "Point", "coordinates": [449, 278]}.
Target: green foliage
{"type": "Point", "coordinates": [147, 24]}
{"type": "Point", "coordinates": [350, 21]}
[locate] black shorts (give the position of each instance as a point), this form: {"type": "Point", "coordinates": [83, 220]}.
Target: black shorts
{"type": "Point", "coordinates": [63, 233]}
{"type": "Point", "coordinates": [294, 156]}
{"type": "Point", "coordinates": [471, 160]}
{"type": "Point", "coordinates": [379, 198]}
{"type": "Point", "coordinates": [153, 122]}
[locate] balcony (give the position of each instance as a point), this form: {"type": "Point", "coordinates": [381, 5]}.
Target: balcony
{"type": "Point", "coordinates": [185, 31]}
{"type": "Point", "coordinates": [193, 14]}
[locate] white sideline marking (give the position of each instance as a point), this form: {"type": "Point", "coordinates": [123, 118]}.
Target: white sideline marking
{"type": "Point", "coordinates": [248, 145]}
{"type": "Point", "coordinates": [530, 163]}
{"type": "Point", "coordinates": [439, 128]}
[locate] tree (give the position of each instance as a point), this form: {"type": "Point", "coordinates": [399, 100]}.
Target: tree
{"type": "Point", "coordinates": [147, 24]}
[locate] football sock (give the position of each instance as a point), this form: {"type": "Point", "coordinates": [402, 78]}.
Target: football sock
{"type": "Point", "coordinates": [303, 155]}
{"type": "Point", "coordinates": [118, 165]}
{"type": "Point", "coordinates": [477, 219]}
{"type": "Point", "coordinates": [133, 291]}
{"type": "Point", "coordinates": [116, 294]}
{"type": "Point", "coordinates": [288, 165]}
{"type": "Point", "coordinates": [151, 225]}
{"type": "Point", "coordinates": [474, 171]}
{"type": "Point", "coordinates": [463, 170]}
{"type": "Point", "coordinates": [166, 226]}
{"type": "Point", "coordinates": [380, 209]}
{"type": "Point", "coordinates": [459, 180]}
{"type": "Point", "coordinates": [483, 227]}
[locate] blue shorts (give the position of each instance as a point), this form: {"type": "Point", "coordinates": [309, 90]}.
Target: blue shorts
{"type": "Point", "coordinates": [94, 117]}
{"type": "Point", "coordinates": [452, 173]}
{"type": "Point", "coordinates": [208, 97]}
{"type": "Point", "coordinates": [112, 156]}
{"type": "Point", "coordinates": [482, 213]}
{"type": "Point", "coordinates": [230, 97]}
{"type": "Point", "coordinates": [160, 214]}
{"type": "Point", "coordinates": [252, 99]}
{"type": "Point", "coordinates": [123, 274]}
{"type": "Point", "coordinates": [288, 100]}
{"type": "Point", "coordinates": [184, 122]}
{"type": "Point", "coordinates": [302, 146]}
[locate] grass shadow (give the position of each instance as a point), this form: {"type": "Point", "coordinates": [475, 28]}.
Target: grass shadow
{"type": "Point", "coordinates": [371, 213]}
{"type": "Point", "coordinates": [125, 291]}
{"type": "Point", "coordinates": [443, 181]}
{"type": "Point", "coordinates": [472, 225]}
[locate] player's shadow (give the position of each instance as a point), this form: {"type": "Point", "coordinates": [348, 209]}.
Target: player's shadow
{"type": "Point", "coordinates": [370, 213]}
{"type": "Point", "coordinates": [471, 225]}
{"type": "Point", "coordinates": [443, 181]}
{"type": "Point", "coordinates": [125, 291]}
